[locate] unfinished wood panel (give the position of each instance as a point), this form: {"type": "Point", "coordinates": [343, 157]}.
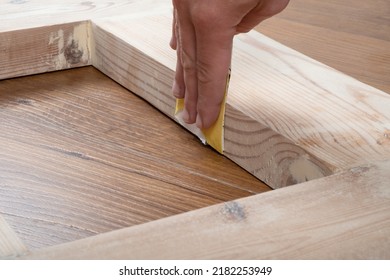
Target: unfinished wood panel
{"type": "Point", "coordinates": [80, 155]}
{"type": "Point", "coordinates": [10, 244]}
{"type": "Point", "coordinates": [20, 14]}
{"type": "Point", "coordinates": [344, 216]}
{"type": "Point", "coordinates": [301, 119]}
{"type": "Point", "coordinates": [133, 68]}
{"type": "Point", "coordinates": [338, 121]}
{"type": "Point", "coordinates": [44, 49]}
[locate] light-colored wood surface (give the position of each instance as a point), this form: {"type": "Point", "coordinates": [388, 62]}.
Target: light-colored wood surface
{"type": "Point", "coordinates": [44, 49]}
{"type": "Point", "coordinates": [80, 155]}
{"type": "Point", "coordinates": [21, 14]}
{"type": "Point", "coordinates": [10, 244]}
{"type": "Point", "coordinates": [344, 216]}
{"type": "Point", "coordinates": [288, 118]}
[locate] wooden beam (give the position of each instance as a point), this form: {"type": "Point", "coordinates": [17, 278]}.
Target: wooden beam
{"type": "Point", "coordinates": [10, 244]}
{"type": "Point", "coordinates": [288, 118]}
{"type": "Point", "coordinates": [344, 216]}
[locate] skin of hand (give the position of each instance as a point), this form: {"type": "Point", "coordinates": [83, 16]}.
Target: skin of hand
{"type": "Point", "coordinates": [202, 35]}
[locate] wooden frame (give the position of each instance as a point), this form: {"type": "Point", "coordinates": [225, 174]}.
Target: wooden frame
{"type": "Point", "coordinates": [296, 120]}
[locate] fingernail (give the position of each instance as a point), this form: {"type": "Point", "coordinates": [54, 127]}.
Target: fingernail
{"type": "Point", "coordinates": [176, 89]}
{"type": "Point", "coordinates": [199, 122]}
{"type": "Point", "coordinates": [185, 116]}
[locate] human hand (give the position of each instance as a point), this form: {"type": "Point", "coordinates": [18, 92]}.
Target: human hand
{"type": "Point", "coordinates": [202, 35]}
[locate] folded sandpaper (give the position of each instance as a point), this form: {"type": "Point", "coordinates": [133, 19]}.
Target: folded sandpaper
{"type": "Point", "coordinates": [213, 136]}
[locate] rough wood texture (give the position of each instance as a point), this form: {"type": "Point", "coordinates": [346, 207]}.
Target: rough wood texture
{"type": "Point", "coordinates": [44, 49]}
{"type": "Point", "coordinates": [80, 155]}
{"type": "Point", "coordinates": [288, 118]}
{"type": "Point", "coordinates": [10, 244]}
{"type": "Point", "coordinates": [344, 216]}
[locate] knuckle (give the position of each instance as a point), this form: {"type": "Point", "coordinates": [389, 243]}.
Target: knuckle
{"type": "Point", "coordinates": [188, 61]}
{"type": "Point", "coordinates": [204, 18]}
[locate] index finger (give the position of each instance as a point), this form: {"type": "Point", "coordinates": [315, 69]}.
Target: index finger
{"type": "Point", "coordinates": [214, 51]}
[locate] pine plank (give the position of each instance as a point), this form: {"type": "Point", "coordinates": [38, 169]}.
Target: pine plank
{"type": "Point", "coordinates": [21, 14]}
{"type": "Point", "coordinates": [44, 49]}
{"type": "Point", "coordinates": [343, 216]}
{"type": "Point", "coordinates": [302, 120]}
{"type": "Point", "coordinates": [10, 244]}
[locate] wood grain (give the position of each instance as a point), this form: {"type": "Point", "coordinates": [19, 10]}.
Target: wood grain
{"type": "Point", "coordinates": [344, 216]}
{"type": "Point", "coordinates": [20, 14]}
{"type": "Point", "coordinates": [301, 119]}
{"type": "Point", "coordinates": [10, 244]}
{"type": "Point", "coordinates": [43, 49]}
{"type": "Point", "coordinates": [80, 155]}
{"type": "Point", "coordinates": [326, 121]}
{"type": "Point", "coordinates": [75, 160]}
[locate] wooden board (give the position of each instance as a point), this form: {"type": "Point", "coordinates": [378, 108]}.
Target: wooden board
{"type": "Point", "coordinates": [344, 216]}
{"type": "Point", "coordinates": [289, 118]}
{"type": "Point", "coordinates": [10, 244]}
{"type": "Point", "coordinates": [278, 99]}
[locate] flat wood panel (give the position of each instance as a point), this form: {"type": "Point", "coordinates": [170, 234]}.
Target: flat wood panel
{"type": "Point", "coordinates": [80, 155]}
{"type": "Point", "coordinates": [344, 216]}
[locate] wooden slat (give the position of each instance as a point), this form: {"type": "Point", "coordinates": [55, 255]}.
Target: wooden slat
{"type": "Point", "coordinates": [10, 244]}
{"type": "Point", "coordinates": [301, 119]}
{"type": "Point", "coordinates": [344, 216]}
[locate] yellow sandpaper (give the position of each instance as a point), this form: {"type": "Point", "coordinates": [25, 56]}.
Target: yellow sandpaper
{"type": "Point", "coordinates": [214, 136]}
